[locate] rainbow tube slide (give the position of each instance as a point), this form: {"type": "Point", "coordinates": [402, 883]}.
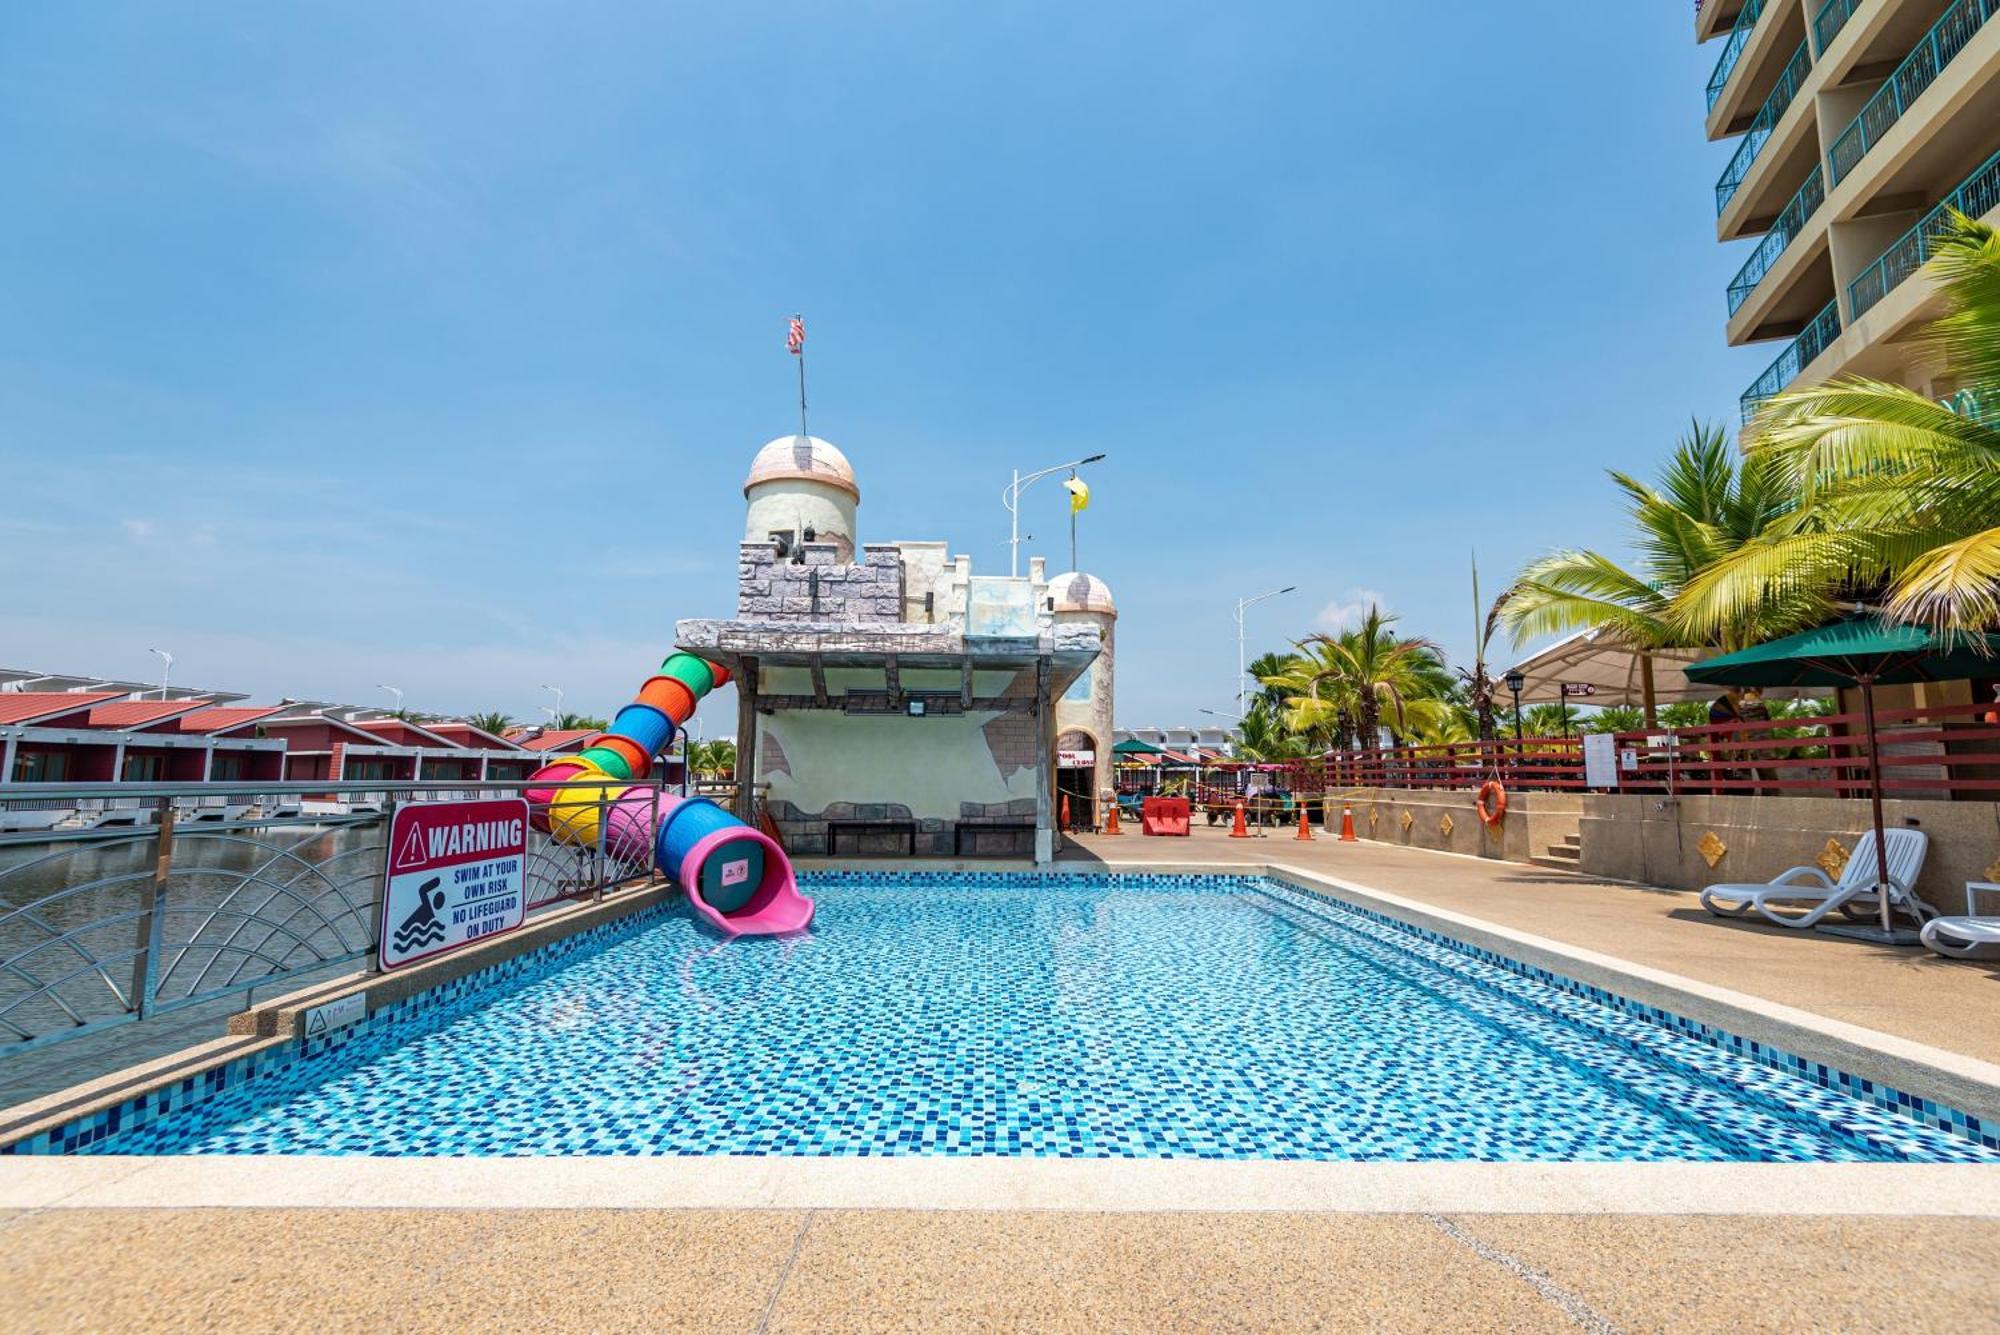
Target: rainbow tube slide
{"type": "Point", "coordinates": [736, 877]}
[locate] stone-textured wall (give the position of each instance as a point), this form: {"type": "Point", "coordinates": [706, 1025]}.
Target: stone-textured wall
{"type": "Point", "coordinates": [1448, 820]}
{"type": "Point", "coordinates": [988, 828]}
{"type": "Point", "coordinates": [821, 587]}
{"type": "Point", "coordinates": [1648, 838]}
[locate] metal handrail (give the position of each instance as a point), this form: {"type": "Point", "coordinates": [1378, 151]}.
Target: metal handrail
{"type": "Point", "coordinates": [1832, 17]}
{"type": "Point", "coordinates": [1977, 195]}
{"type": "Point", "coordinates": [192, 924]}
{"type": "Point", "coordinates": [1918, 71]}
{"type": "Point", "coordinates": [1815, 338]}
{"type": "Point", "coordinates": [1775, 106]}
{"type": "Point", "coordinates": [1790, 222]}
{"type": "Point", "coordinates": [1732, 49]}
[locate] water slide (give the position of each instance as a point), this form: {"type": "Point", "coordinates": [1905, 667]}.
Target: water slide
{"type": "Point", "coordinates": [735, 876]}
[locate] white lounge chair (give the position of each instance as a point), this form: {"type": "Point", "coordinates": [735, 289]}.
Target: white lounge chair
{"type": "Point", "coordinates": [1818, 894]}
{"type": "Point", "coordinates": [1962, 938]}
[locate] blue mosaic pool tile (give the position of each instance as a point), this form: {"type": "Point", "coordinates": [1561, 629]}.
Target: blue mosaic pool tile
{"type": "Point", "coordinates": [1060, 1014]}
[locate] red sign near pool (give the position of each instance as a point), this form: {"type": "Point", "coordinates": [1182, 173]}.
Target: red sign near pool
{"type": "Point", "coordinates": [457, 874]}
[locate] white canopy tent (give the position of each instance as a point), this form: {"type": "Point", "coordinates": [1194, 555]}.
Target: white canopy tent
{"type": "Point", "coordinates": [1617, 673]}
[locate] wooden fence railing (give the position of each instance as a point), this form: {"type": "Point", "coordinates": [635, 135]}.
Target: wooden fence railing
{"type": "Point", "coordinates": [1945, 752]}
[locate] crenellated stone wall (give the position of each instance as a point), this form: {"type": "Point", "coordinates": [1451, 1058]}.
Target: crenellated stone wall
{"type": "Point", "coordinates": [820, 587]}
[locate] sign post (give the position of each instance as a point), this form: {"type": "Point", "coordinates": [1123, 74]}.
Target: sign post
{"type": "Point", "coordinates": [457, 873]}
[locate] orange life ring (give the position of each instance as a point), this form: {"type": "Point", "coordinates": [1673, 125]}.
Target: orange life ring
{"type": "Point", "coordinates": [1491, 816]}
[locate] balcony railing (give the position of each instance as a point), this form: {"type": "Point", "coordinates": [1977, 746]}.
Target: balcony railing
{"type": "Point", "coordinates": [1919, 70]}
{"type": "Point", "coordinates": [1979, 195]}
{"type": "Point", "coordinates": [1789, 224]}
{"type": "Point", "coordinates": [1980, 407]}
{"type": "Point", "coordinates": [1832, 17]}
{"type": "Point", "coordinates": [1732, 49]}
{"type": "Point", "coordinates": [1800, 353]}
{"type": "Point", "coordinates": [1767, 120]}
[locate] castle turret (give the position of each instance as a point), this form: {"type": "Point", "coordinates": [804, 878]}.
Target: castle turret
{"type": "Point", "coordinates": [1084, 714]}
{"type": "Point", "coordinates": [800, 486]}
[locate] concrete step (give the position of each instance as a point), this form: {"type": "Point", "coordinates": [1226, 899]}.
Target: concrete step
{"type": "Point", "coordinates": [1566, 855]}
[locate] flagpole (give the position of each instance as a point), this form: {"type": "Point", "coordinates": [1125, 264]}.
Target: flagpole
{"type": "Point", "coordinates": [802, 380]}
{"type": "Point", "coordinates": [1072, 529]}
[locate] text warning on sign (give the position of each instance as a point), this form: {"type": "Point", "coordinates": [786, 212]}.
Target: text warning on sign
{"type": "Point", "coordinates": [457, 874]}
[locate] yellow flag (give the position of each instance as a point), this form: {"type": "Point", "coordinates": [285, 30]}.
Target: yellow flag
{"type": "Point", "coordinates": [1079, 494]}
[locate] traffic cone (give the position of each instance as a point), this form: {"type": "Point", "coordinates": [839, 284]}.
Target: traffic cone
{"type": "Point", "coordinates": [1239, 830]}
{"type": "Point", "coordinates": [1065, 811]}
{"type": "Point", "coordinates": [1347, 823]}
{"type": "Point", "coordinates": [1305, 826]}
{"type": "Point", "coordinates": [1111, 817]}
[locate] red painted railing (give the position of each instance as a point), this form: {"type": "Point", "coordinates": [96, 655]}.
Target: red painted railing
{"type": "Point", "coordinates": [1950, 751]}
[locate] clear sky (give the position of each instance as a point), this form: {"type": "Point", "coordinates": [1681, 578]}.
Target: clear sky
{"type": "Point", "coordinates": [428, 344]}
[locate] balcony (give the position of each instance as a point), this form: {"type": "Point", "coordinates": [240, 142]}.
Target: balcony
{"type": "Point", "coordinates": [1976, 197]}
{"type": "Point", "coordinates": [1831, 18]}
{"type": "Point", "coordinates": [1800, 353]}
{"type": "Point", "coordinates": [1919, 70]}
{"type": "Point", "coordinates": [1732, 49]}
{"type": "Point", "coordinates": [1788, 225]}
{"type": "Point", "coordinates": [1754, 139]}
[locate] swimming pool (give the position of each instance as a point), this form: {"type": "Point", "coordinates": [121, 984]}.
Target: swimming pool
{"type": "Point", "coordinates": [1070, 1016]}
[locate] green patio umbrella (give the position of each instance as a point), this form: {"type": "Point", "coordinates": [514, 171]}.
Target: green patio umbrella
{"type": "Point", "coordinates": [1863, 652]}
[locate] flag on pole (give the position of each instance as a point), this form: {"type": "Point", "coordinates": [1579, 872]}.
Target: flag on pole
{"type": "Point", "coordinates": [795, 339]}
{"type": "Point", "coordinates": [1079, 494]}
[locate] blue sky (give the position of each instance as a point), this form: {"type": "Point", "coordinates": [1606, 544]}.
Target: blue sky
{"type": "Point", "coordinates": [428, 344]}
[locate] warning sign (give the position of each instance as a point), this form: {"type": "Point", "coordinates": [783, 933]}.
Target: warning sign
{"type": "Point", "coordinates": [457, 874]}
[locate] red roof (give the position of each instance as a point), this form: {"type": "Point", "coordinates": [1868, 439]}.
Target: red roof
{"type": "Point", "coordinates": [555, 739]}
{"type": "Point", "coordinates": [27, 706]}
{"type": "Point", "coordinates": [466, 735]}
{"type": "Point", "coordinates": [221, 718]}
{"type": "Point", "coordinates": [138, 713]}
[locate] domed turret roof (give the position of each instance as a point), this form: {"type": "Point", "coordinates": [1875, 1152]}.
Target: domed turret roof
{"type": "Point", "coordinates": [1075, 591]}
{"type": "Point", "coordinates": [806, 458]}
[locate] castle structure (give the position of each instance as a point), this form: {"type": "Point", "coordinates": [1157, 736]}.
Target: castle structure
{"type": "Point", "coordinates": [890, 701]}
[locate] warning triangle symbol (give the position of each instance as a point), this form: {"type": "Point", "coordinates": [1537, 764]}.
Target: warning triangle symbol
{"type": "Point", "coordinates": [315, 1025]}
{"type": "Point", "coordinates": [412, 852]}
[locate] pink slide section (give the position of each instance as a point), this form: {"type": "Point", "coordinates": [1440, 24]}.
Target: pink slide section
{"type": "Point", "coordinates": [774, 907]}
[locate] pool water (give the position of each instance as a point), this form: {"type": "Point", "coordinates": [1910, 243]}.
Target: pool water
{"type": "Point", "coordinates": [1072, 1016]}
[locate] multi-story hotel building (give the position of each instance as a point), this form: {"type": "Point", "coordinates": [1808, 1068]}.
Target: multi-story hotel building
{"type": "Point", "coordinates": [1856, 123]}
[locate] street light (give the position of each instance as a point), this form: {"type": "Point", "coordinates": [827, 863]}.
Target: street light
{"type": "Point", "coordinates": [396, 691]}
{"type": "Point", "coordinates": [1243, 604]}
{"type": "Point", "coordinates": [1010, 496]}
{"type": "Point", "coordinates": [1515, 680]}
{"type": "Point", "coordinates": [166, 671]}
{"type": "Point", "coordinates": [555, 715]}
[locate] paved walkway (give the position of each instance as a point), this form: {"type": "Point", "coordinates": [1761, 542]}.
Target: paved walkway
{"type": "Point", "coordinates": [833, 1270]}
{"type": "Point", "coordinates": [1910, 993]}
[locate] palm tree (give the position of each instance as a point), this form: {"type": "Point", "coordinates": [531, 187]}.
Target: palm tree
{"type": "Point", "coordinates": [1263, 736]}
{"type": "Point", "coordinates": [1899, 494]}
{"type": "Point", "coordinates": [577, 722]}
{"type": "Point", "coordinates": [712, 759]}
{"type": "Point", "coordinates": [1264, 667]}
{"type": "Point", "coordinates": [493, 721]}
{"type": "Point", "coordinates": [1706, 506]}
{"type": "Point", "coordinates": [1360, 675]}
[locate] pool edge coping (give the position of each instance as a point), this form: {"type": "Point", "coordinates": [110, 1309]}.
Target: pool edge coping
{"type": "Point", "coordinates": [109, 1182]}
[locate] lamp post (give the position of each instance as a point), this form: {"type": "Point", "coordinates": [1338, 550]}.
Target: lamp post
{"type": "Point", "coordinates": [1010, 496]}
{"type": "Point", "coordinates": [1243, 605]}
{"type": "Point", "coordinates": [166, 670]}
{"type": "Point", "coordinates": [555, 715]}
{"type": "Point", "coordinates": [1515, 680]}
{"type": "Point", "coordinates": [396, 691]}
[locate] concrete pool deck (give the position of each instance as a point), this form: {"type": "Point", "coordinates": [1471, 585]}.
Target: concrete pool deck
{"type": "Point", "coordinates": [836, 1270]}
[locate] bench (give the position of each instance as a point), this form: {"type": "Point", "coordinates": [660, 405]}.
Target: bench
{"type": "Point", "coordinates": [873, 838]}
